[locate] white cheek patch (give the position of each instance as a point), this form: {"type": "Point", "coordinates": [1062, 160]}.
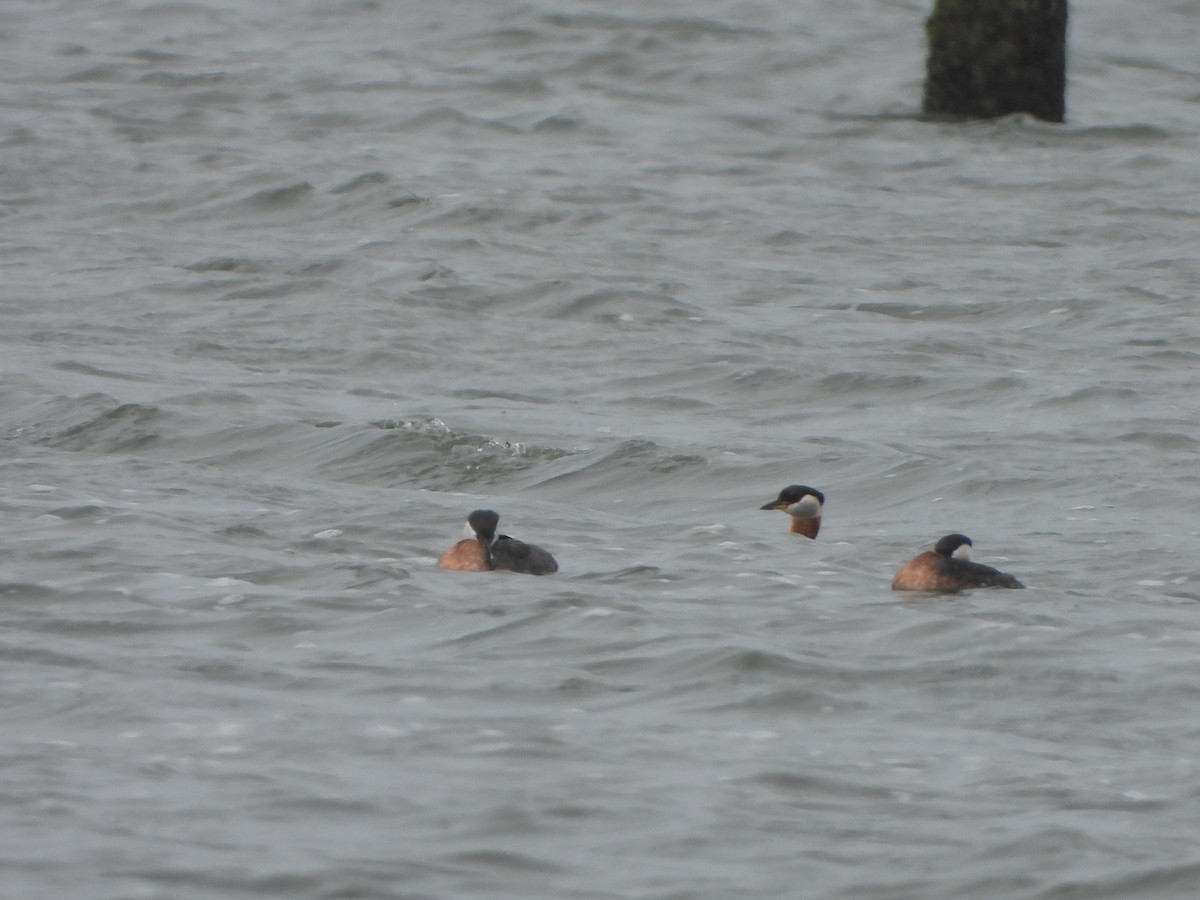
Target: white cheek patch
{"type": "Point", "coordinates": [468, 531]}
{"type": "Point", "coordinates": [805, 508]}
{"type": "Point", "coordinates": [962, 552]}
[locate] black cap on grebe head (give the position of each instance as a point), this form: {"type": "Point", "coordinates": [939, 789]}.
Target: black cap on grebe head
{"type": "Point", "coordinates": [793, 494]}
{"type": "Point", "coordinates": [955, 545]}
{"type": "Point", "coordinates": [484, 523]}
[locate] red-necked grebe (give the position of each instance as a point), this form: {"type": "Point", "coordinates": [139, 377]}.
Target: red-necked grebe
{"type": "Point", "coordinates": [803, 504]}
{"type": "Point", "coordinates": [486, 551]}
{"type": "Point", "coordinates": [947, 568]}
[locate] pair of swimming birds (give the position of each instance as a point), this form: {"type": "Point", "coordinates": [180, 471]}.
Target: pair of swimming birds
{"type": "Point", "coordinates": [945, 568]}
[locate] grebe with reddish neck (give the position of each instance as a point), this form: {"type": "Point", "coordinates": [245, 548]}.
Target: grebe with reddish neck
{"type": "Point", "coordinates": [948, 568]}
{"type": "Point", "coordinates": [483, 550]}
{"type": "Point", "coordinates": [803, 504]}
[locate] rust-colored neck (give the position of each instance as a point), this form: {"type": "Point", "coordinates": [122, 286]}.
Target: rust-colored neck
{"type": "Point", "coordinates": [806, 527]}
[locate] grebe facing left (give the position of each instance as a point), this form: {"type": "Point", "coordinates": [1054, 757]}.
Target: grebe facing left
{"type": "Point", "coordinates": [948, 568]}
{"type": "Point", "coordinates": [486, 551]}
{"type": "Point", "coordinates": [803, 504]}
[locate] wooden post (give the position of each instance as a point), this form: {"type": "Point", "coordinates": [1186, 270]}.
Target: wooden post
{"type": "Point", "coordinates": [990, 58]}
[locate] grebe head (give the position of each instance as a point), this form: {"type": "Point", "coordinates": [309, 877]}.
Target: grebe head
{"type": "Point", "coordinates": [482, 524]}
{"type": "Point", "coordinates": [798, 501]}
{"type": "Point", "coordinates": [955, 546]}
{"type": "Point", "coordinates": [804, 505]}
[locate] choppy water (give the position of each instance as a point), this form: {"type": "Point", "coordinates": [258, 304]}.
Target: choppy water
{"type": "Point", "coordinates": [289, 288]}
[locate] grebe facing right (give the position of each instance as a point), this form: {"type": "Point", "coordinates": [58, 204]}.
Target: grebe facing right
{"type": "Point", "coordinates": [803, 504]}
{"type": "Point", "coordinates": [948, 568]}
{"type": "Point", "coordinates": [486, 551]}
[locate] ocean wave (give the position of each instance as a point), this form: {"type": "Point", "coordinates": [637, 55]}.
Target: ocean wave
{"type": "Point", "coordinates": [96, 423]}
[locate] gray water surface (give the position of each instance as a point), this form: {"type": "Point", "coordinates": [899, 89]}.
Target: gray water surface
{"type": "Point", "coordinates": [289, 288]}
